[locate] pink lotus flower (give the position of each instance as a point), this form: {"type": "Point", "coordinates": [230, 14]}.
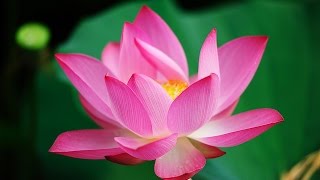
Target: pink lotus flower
{"type": "Point", "coordinates": [148, 107]}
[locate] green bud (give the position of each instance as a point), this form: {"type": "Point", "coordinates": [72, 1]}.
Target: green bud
{"type": "Point", "coordinates": [33, 36]}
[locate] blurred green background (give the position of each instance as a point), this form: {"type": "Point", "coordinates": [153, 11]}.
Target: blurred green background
{"type": "Point", "coordinates": [39, 103]}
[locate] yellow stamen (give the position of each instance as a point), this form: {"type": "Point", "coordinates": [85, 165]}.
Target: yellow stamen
{"type": "Point", "coordinates": [174, 87]}
{"type": "Point", "coordinates": [304, 169]}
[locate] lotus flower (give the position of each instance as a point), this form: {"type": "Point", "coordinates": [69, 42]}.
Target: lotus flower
{"type": "Point", "coordinates": [149, 108]}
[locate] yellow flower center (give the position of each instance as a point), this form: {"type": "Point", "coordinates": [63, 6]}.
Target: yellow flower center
{"type": "Point", "coordinates": [174, 87]}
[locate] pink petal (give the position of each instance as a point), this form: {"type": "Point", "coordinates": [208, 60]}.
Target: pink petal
{"type": "Point", "coordinates": [183, 177]}
{"type": "Point", "coordinates": [87, 144]}
{"type": "Point", "coordinates": [87, 75]}
{"type": "Point", "coordinates": [154, 99]}
{"type": "Point", "coordinates": [183, 161]}
{"type": "Point", "coordinates": [194, 106]}
{"type": "Point", "coordinates": [239, 60]}
{"type": "Point", "coordinates": [110, 57]}
{"type": "Point", "coordinates": [124, 159]}
{"type": "Point", "coordinates": [193, 78]}
{"type": "Point", "coordinates": [105, 120]}
{"type": "Point", "coordinates": [147, 149]}
{"type": "Point", "coordinates": [237, 129]}
{"type": "Point", "coordinates": [209, 62]}
{"type": "Point", "coordinates": [163, 63]}
{"type": "Point", "coordinates": [207, 151]}
{"type": "Point", "coordinates": [226, 112]}
{"type": "Point", "coordinates": [160, 77]}
{"type": "Point", "coordinates": [131, 61]}
{"type": "Point", "coordinates": [161, 36]}
{"type": "Point", "coordinates": [127, 108]}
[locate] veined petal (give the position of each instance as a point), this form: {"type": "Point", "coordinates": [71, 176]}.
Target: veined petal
{"type": "Point", "coordinates": [182, 162]}
{"type": "Point", "coordinates": [163, 63]}
{"type": "Point", "coordinates": [161, 36]}
{"type": "Point", "coordinates": [226, 112]}
{"type": "Point", "coordinates": [131, 61]}
{"type": "Point", "coordinates": [87, 144]}
{"type": "Point", "coordinates": [110, 57]}
{"type": "Point", "coordinates": [154, 99]}
{"type": "Point", "coordinates": [124, 159]}
{"type": "Point", "coordinates": [147, 149]}
{"type": "Point", "coordinates": [87, 75]}
{"type": "Point", "coordinates": [239, 60]}
{"type": "Point", "coordinates": [209, 61]}
{"type": "Point", "coordinates": [207, 151]}
{"type": "Point", "coordinates": [127, 108]}
{"type": "Point", "coordinates": [103, 119]}
{"type": "Point", "coordinates": [237, 129]}
{"type": "Point", "coordinates": [194, 106]}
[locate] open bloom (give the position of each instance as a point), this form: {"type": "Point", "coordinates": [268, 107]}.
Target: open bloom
{"type": "Point", "coordinates": [149, 108]}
